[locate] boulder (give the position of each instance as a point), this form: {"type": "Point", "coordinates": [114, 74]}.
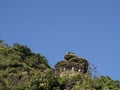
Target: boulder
{"type": "Point", "coordinates": [71, 60]}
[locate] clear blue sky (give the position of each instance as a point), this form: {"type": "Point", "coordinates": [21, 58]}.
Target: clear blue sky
{"type": "Point", "coordinates": [90, 28]}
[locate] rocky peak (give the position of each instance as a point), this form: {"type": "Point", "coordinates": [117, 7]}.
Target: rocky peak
{"type": "Point", "coordinates": [72, 62]}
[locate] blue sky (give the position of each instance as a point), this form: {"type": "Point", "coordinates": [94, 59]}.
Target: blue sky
{"type": "Point", "coordinates": [90, 28]}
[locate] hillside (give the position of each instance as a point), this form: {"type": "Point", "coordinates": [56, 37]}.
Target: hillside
{"type": "Point", "coordinates": [22, 69]}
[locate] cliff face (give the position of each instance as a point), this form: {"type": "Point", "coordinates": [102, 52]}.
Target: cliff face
{"type": "Point", "coordinates": [72, 63]}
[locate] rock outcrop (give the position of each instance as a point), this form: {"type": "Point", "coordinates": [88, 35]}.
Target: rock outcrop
{"type": "Point", "coordinates": [72, 63]}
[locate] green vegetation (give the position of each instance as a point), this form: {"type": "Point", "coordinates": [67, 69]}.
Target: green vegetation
{"type": "Point", "coordinates": [21, 69]}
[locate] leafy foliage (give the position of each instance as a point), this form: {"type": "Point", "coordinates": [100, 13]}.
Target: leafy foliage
{"type": "Point", "coordinates": [21, 69]}
{"type": "Point", "coordinates": [18, 65]}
